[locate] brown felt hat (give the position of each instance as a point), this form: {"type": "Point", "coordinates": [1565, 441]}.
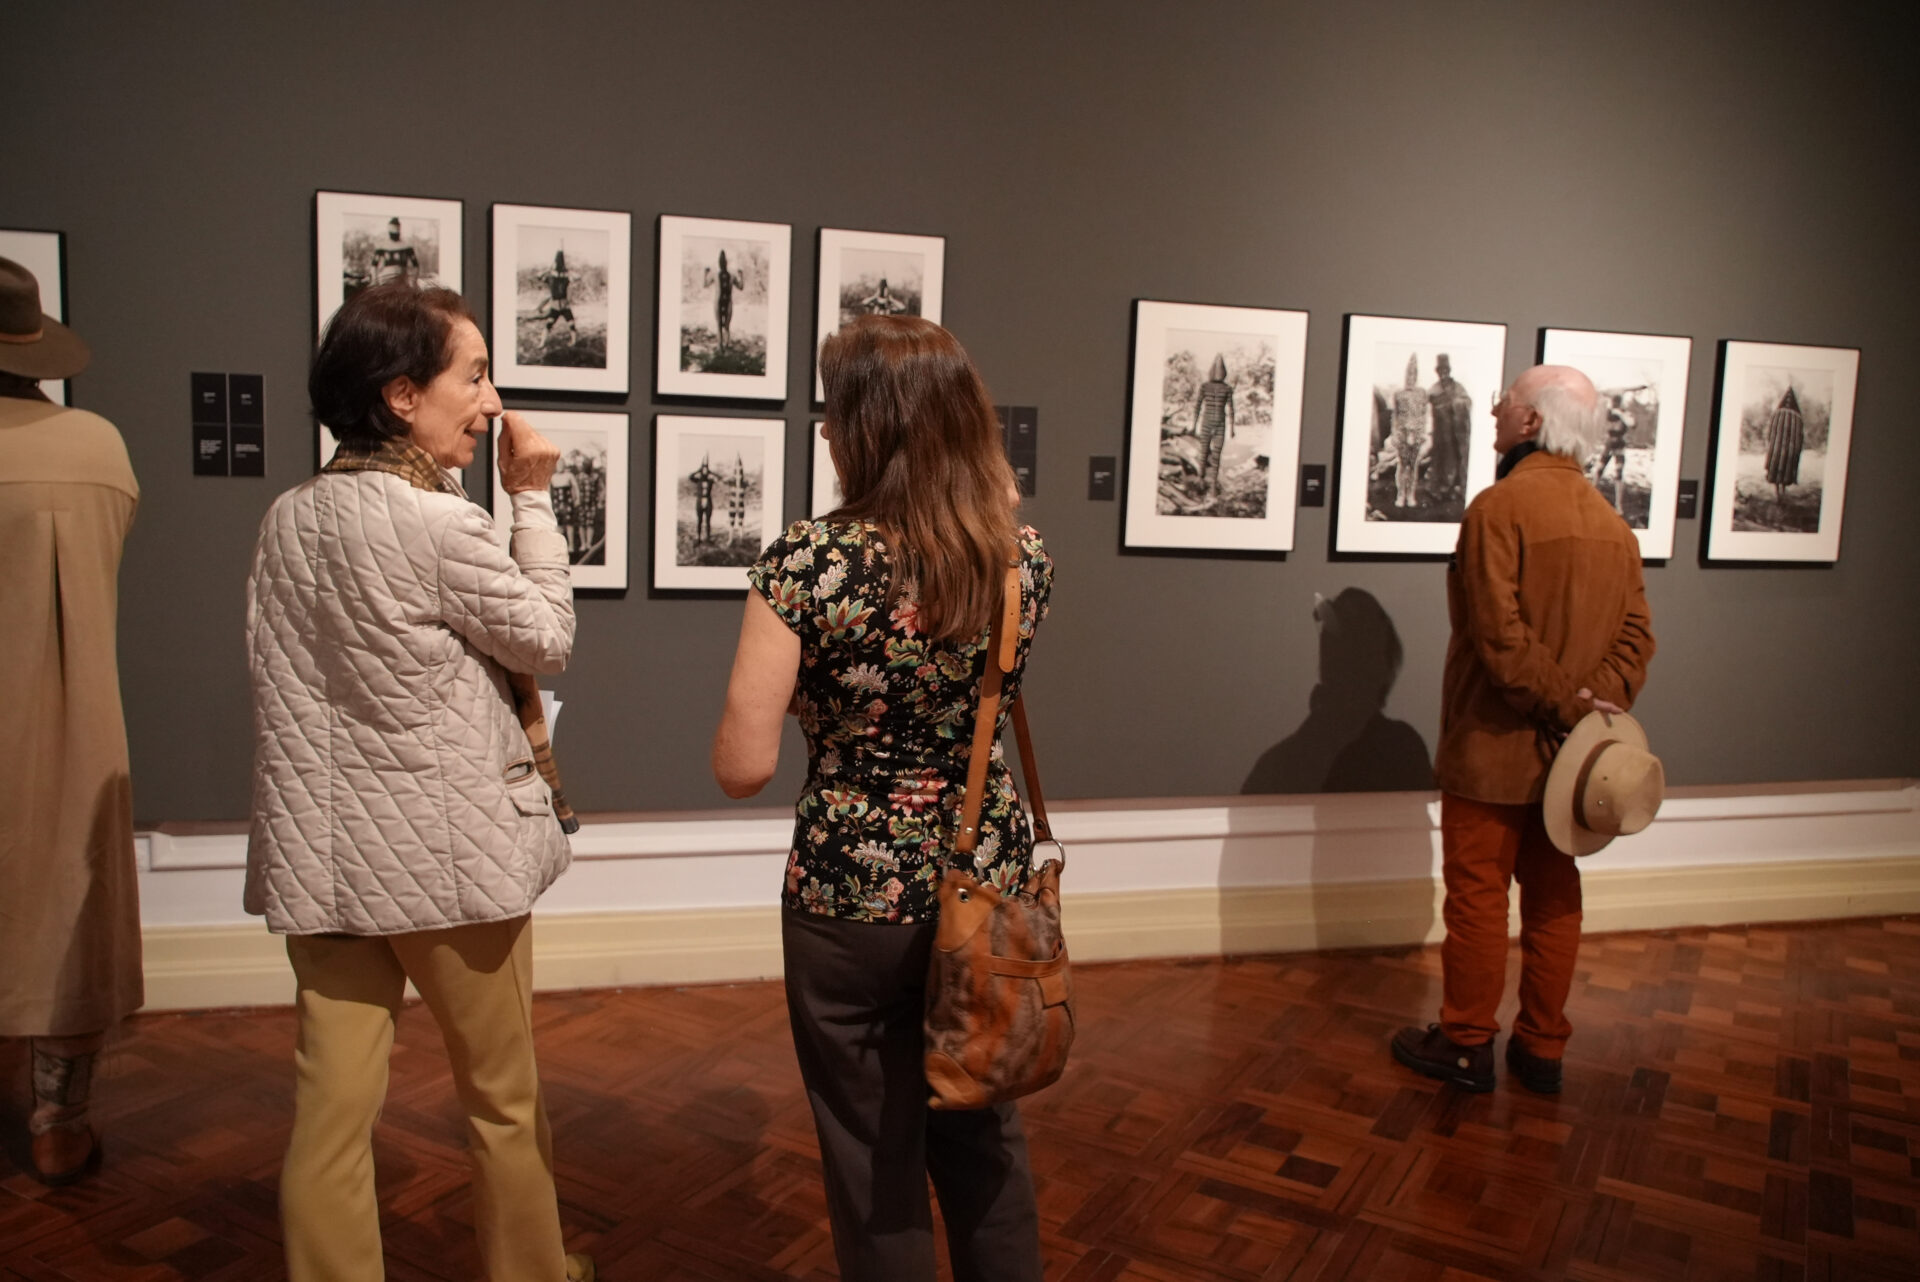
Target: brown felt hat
{"type": "Point", "coordinates": [1604, 784]}
{"type": "Point", "coordinates": [32, 343]}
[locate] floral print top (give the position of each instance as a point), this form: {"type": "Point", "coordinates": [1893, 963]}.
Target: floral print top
{"type": "Point", "coordinates": [888, 718]}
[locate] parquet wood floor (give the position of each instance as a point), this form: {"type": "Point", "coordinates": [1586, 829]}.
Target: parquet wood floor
{"type": "Point", "coordinates": [1741, 1103]}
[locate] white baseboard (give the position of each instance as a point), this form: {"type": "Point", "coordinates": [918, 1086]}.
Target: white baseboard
{"type": "Point", "coordinates": [691, 899]}
{"type": "Point", "coordinates": [194, 967]}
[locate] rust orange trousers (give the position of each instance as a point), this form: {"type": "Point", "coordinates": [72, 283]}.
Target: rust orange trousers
{"type": "Point", "coordinates": [1485, 847]}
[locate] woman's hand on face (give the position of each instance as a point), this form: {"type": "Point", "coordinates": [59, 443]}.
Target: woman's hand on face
{"type": "Point", "coordinates": [527, 459]}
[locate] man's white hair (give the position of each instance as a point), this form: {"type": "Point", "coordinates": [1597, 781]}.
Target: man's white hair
{"type": "Point", "coordinates": [1571, 421]}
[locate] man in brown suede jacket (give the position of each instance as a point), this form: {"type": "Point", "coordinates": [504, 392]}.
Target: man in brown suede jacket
{"type": "Point", "coordinates": [1549, 623]}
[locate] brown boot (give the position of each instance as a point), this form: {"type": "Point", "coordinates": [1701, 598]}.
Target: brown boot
{"type": "Point", "coordinates": [65, 1149]}
{"type": "Point", "coordinates": [65, 1153]}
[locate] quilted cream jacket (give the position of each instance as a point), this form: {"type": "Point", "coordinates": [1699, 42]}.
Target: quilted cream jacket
{"type": "Point", "coordinates": [393, 788]}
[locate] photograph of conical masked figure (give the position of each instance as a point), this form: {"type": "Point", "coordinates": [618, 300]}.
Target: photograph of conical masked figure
{"type": "Point", "coordinates": [721, 500]}
{"type": "Point", "coordinates": [1785, 417]}
{"type": "Point", "coordinates": [1422, 424]}
{"type": "Point", "coordinates": [1216, 424]}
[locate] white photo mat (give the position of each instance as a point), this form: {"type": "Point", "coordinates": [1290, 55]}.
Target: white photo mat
{"type": "Point", "coordinates": [562, 298]}
{"type": "Point", "coordinates": [734, 469]}
{"type": "Point", "coordinates": [44, 253]}
{"type": "Point", "coordinates": [340, 216]}
{"type": "Point", "coordinates": [753, 294]}
{"type": "Point", "coordinates": [1181, 491]}
{"type": "Point", "coordinates": [854, 277]}
{"type": "Point", "coordinates": [1642, 381]}
{"type": "Point", "coordinates": [824, 483]}
{"type": "Point", "coordinates": [1369, 517]}
{"type": "Point", "coordinates": [1778, 494]}
{"type": "Point", "coordinates": [591, 492]}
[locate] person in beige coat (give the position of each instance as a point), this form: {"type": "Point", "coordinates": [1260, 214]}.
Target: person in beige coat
{"type": "Point", "coordinates": [401, 826]}
{"type": "Point", "coordinates": [69, 901]}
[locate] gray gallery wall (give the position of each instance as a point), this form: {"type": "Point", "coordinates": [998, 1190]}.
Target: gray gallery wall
{"type": "Point", "coordinates": [1713, 171]}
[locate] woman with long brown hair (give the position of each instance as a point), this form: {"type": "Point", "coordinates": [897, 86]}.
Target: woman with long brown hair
{"type": "Point", "coordinates": [871, 623]}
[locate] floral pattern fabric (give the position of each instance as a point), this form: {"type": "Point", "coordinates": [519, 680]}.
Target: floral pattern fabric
{"type": "Point", "coordinates": [888, 718]}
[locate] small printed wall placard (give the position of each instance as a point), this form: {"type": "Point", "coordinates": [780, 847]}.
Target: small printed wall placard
{"type": "Point", "coordinates": [1416, 437]}
{"type": "Point", "coordinates": [1642, 381]}
{"type": "Point", "coordinates": [1213, 437]}
{"type": "Point", "coordinates": [361, 240]}
{"type": "Point", "coordinates": [724, 288]}
{"type": "Point", "coordinates": [562, 298]}
{"type": "Point", "coordinates": [1783, 427]}
{"type": "Point", "coordinates": [718, 489]}
{"type": "Point", "coordinates": [590, 492]}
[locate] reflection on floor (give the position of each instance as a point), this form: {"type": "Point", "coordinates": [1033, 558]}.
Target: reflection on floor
{"type": "Point", "coordinates": [1740, 1103]}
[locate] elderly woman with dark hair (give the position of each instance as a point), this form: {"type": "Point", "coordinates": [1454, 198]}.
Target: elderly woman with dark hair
{"type": "Point", "coordinates": [400, 828]}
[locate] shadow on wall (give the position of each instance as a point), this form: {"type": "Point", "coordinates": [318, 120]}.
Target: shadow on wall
{"type": "Point", "coordinates": [1369, 861]}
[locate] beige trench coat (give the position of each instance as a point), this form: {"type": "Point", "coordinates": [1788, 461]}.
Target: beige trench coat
{"type": "Point", "coordinates": [69, 901]}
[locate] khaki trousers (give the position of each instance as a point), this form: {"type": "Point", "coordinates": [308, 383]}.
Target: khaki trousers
{"type": "Point", "coordinates": [1486, 847]}
{"type": "Point", "coordinates": [478, 982]}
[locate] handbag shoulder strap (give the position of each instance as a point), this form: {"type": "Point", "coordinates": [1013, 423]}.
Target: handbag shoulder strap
{"type": "Point", "coordinates": [1030, 771]}
{"type": "Point", "coordinates": [1003, 645]}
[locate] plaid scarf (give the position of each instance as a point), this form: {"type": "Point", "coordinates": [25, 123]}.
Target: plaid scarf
{"type": "Point", "coordinates": [396, 456]}
{"type": "Point", "coordinates": [399, 456]}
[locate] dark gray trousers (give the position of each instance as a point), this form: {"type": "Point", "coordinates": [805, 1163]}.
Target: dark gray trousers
{"type": "Point", "coordinates": [855, 992]}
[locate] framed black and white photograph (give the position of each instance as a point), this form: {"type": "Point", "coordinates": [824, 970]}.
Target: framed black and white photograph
{"type": "Point", "coordinates": [872, 273]}
{"type": "Point", "coordinates": [717, 496]}
{"type": "Point", "coordinates": [590, 490]}
{"type": "Point", "coordinates": [1642, 381]}
{"type": "Point", "coordinates": [824, 484]}
{"type": "Point", "coordinates": [1783, 423]}
{"type": "Point", "coordinates": [562, 298]}
{"type": "Point", "coordinates": [724, 290]}
{"type": "Point", "coordinates": [44, 253]}
{"type": "Point", "coordinates": [1213, 441]}
{"type": "Point", "coordinates": [1416, 431]}
{"type": "Point", "coordinates": [362, 240]}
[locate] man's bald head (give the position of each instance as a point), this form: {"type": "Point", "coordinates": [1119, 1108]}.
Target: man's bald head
{"type": "Point", "coordinates": [1571, 423]}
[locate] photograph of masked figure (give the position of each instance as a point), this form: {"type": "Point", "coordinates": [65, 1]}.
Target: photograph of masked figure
{"type": "Point", "coordinates": [361, 240]}
{"type": "Point", "coordinates": [718, 485]}
{"type": "Point", "coordinates": [875, 273]}
{"type": "Point", "coordinates": [1415, 430]}
{"type": "Point", "coordinates": [723, 308]}
{"type": "Point", "coordinates": [590, 491]}
{"type": "Point", "coordinates": [1783, 428]}
{"type": "Point", "coordinates": [562, 298]}
{"type": "Point", "coordinates": [1214, 429]}
{"type": "Point", "coordinates": [1642, 383]}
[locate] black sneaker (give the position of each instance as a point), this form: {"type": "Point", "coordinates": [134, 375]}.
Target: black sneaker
{"type": "Point", "coordinates": [1541, 1076]}
{"type": "Point", "coordinates": [1434, 1053]}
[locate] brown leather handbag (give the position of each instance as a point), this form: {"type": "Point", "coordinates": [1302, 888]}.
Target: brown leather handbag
{"type": "Point", "coordinates": [999, 1017]}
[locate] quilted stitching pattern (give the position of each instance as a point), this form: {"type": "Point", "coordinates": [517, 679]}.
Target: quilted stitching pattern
{"type": "Point", "coordinates": [381, 623]}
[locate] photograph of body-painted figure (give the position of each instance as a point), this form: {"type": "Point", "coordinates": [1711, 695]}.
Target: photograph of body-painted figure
{"type": "Point", "coordinates": [723, 307]}
{"type": "Point", "coordinates": [1214, 430]}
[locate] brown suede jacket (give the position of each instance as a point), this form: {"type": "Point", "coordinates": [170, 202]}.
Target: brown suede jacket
{"type": "Point", "coordinates": [1545, 597]}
